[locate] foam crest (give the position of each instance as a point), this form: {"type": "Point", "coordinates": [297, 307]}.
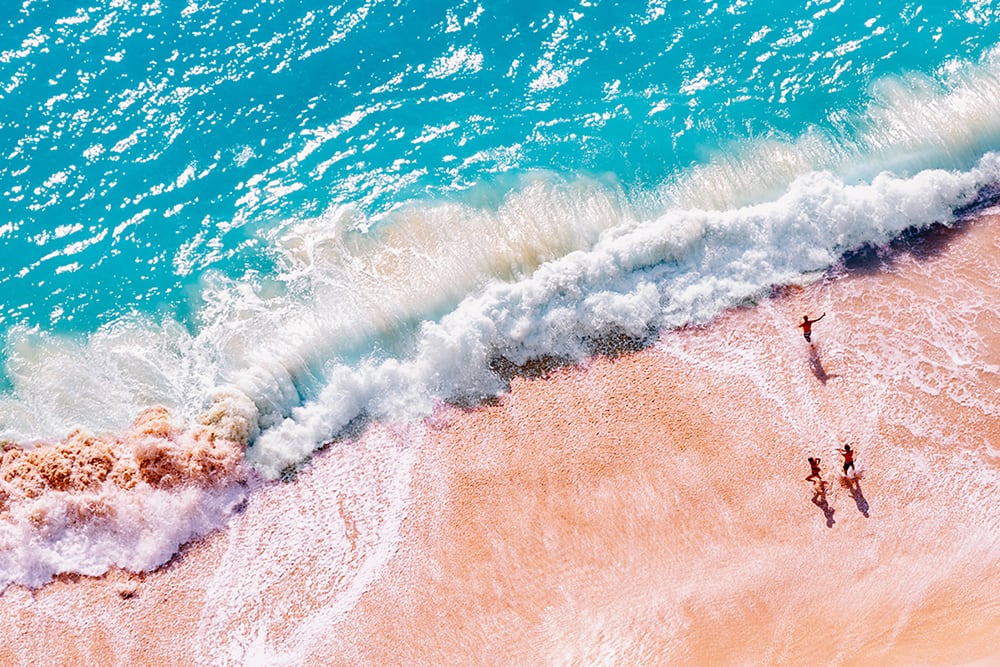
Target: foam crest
{"type": "Point", "coordinates": [700, 262]}
{"type": "Point", "coordinates": [88, 502]}
{"type": "Point", "coordinates": [683, 267]}
{"type": "Point", "coordinates": [350, 284]}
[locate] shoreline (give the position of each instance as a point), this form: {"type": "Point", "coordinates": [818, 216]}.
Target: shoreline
{"type": "Point", "coordinates": [626, 510]}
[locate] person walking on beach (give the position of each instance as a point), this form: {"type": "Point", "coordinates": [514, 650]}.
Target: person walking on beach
{"type": "Point", "coordinates": [814, 475]}
{"type": "Point", "coordinates": [806, 326]}
{"type": "Point", "coordinates": [848, 458]}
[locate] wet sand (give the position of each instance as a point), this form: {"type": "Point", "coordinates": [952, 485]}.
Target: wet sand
{"type": "Point", "coordinates": [648, 509]}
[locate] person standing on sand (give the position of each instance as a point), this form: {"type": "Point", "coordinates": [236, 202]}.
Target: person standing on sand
{"type": "Point", "coordinates": [806, 326]}
{"type": "Point", "coordinates": [814, 475]}
{"type": "Point", "coordinates": [848, 458]}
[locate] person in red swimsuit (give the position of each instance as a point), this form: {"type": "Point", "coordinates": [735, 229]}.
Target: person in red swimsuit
{"type": "Point", "coordinates": [848, 458]}
{"type": "Point", "coordinates": [814, 475]}
{"type": "Point", "coordinates": [807, 324]}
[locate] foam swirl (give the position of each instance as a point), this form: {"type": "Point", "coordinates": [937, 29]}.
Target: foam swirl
{"type": "Point", "coordinates": [89, 502]}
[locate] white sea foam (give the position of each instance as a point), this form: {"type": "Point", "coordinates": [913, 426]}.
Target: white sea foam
{"type": "Point", "coordinates": [682, 267]}
{"type": "Point", "coordinates": [142, 531]}
{"type": "Point", "coordinates": [88, 503]}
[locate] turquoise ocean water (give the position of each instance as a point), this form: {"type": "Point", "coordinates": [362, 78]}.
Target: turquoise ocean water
{"type": "Point", "coordinates": [365, 209]}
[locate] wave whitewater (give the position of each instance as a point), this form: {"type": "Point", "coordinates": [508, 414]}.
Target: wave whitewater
{"type": "Point", "coordinates": [640, 277]}
{"type": "Point", "coordinates": [90, 502]}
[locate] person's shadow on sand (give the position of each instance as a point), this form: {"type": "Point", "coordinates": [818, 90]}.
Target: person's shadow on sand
{"type": "Point", "coordinates": [819, 499]}
{"type": "Point", "coordinates": [816, 366]}
{"type": "Point", "coordinates": [859, 498]}
{"type": "Point", "coordinates": [853, 485]}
